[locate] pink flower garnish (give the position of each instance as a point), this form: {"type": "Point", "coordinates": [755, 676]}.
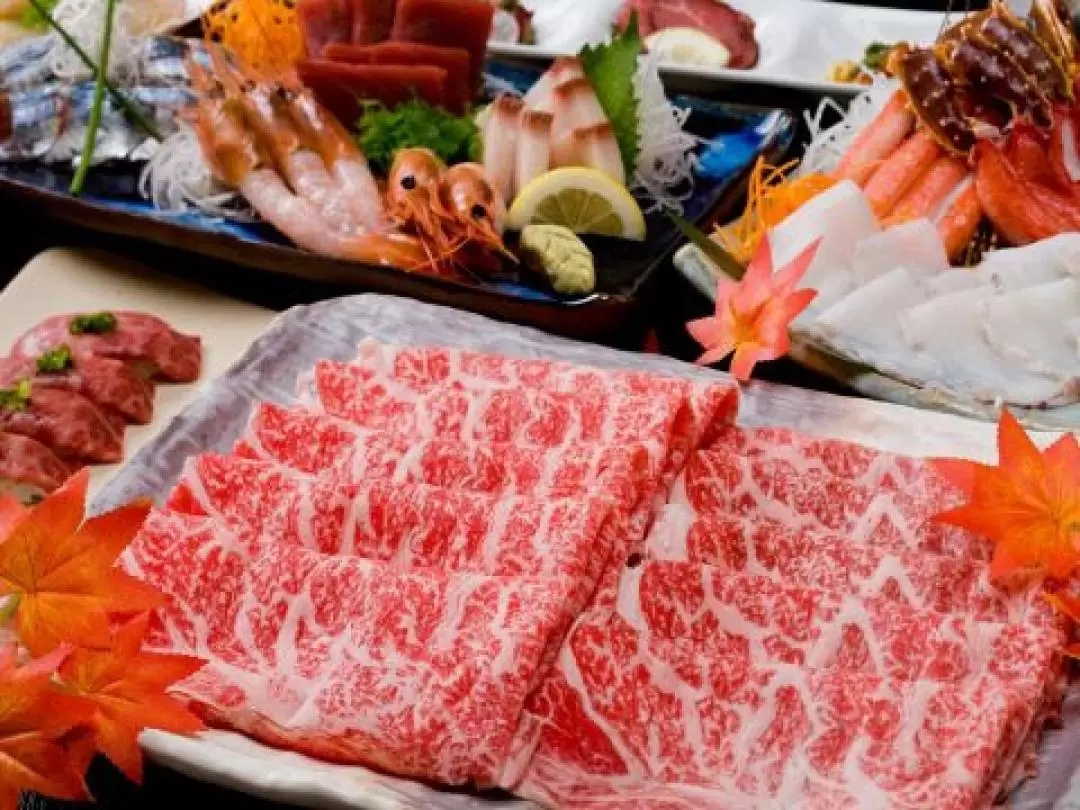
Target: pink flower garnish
{"type": "Point", "coordinates": [753, 315]}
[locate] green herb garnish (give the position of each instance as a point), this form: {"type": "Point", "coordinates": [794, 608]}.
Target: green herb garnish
{"type": "Point", "coordinates": [382, 133]}
{"type": "Point", "coordinates": [877, 56]}
{"type": "Point", "coordinates": [95, 323]}
{"type": "Point", "coordinates": [56, 360]}
{"type": "Point", "coordinates": [90, 141]}
{"type": "Point", "coordinates": [611, 68]}
{"type": "Point", "coordinates": [33, 19]}
{"type": "Point", "coordinates": [16, 398]}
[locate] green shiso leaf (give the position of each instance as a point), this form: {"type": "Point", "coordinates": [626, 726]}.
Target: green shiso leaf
{"type": "Point", "coordinates": [611, 68]}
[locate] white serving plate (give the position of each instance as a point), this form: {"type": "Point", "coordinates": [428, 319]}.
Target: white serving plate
{"type": "Point", "coordinates": [66, 280]}
{"type": "Point", "coordinates": [256, 356]}
{"type": "Point", "coordinates": [799, 41]}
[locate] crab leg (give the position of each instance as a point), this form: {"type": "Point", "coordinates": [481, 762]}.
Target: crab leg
{"type": "Point", "coordinates": [900, 171]}
{"type": "Point", "coordinates": [1022, 212]}
{"type": "Point", "coordinates": [930, 191]}
{"type": "Point", "coordinates": [875, 143]}
{"type": "Point", "coordinates": [960, 220]}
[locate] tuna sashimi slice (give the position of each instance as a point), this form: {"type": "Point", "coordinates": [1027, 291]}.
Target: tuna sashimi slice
{"type": "Point", "coordinates": [145, 341]}
{"type": "Point", "coordinates": [29, 468]}
{"type": "Point", "coordinates": [67, 423]}
{"type": "Point", "coordinates": [631, 720]}
{"type": "Point", "coordinates": [315, 443]}
{"type": "Point", "coordinates": [451, 23]}
{"type": "Point", "coordinates": [455, 61]}
{"type": "Point", "coordinates": [372, 20]}
{"type": "Point", "coordinates": [111, 384]}
{"type": "Point", "coordinates": [323, 22]}
{"type": "Point", "coordinates": [421, 673]}
{"type": "Point", "coordinates": [343, 89]}
{"type": "Point", "coordinates": [803, 494]}
{"type": "Point", "coordinates": [802, 557]}
{"type": "Point", "coordinates": [410, 525]}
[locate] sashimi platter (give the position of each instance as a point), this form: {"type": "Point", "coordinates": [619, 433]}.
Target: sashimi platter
{"type": "Point", "coordinates": [369, 144]}
{"type": "Point", "coordinates": [946, 209]}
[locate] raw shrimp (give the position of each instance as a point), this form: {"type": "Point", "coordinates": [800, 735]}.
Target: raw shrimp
{"type": "Point", "coordinates": [412, 197]}
{"type": "Point", "coordinates": [477, 207]}
{"type": "Point", "coordinates": [246, 153]}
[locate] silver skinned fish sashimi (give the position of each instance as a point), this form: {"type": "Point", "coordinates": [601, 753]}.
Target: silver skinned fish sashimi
{"type": "Point", "coordinates": [44, 117]}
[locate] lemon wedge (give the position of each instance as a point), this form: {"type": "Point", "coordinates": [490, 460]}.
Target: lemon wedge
{"type": "Point", "coordinates": [583, 200]}
{"type": "Point", "coordinates": [688, 46]}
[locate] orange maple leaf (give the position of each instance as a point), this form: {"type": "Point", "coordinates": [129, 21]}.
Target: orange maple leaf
{"type": "Point", "coordinates": [753, 315]}
{"type": "Point", "coordinates": [1070, 606]}
{"type": "Point", "coordinates": [11, 510]}
{"type": "Point", "coordinates": [36, 721]}
{"type": "Point", "coordinates": [58, 571]}
{"type": "Point", "coordinates": [1029, 504]}
{"type": "Point", "coordinates": [127, 687]}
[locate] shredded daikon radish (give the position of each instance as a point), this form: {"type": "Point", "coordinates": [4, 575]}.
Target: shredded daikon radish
{"type": "Point", "coordinates": [177, 179]}
{"type": "Point", "coordinates": [666, 161]}
{"type": "Point", "coordinates": [84, 20]}
{"type": "Point", "coordinates": [566, 26]}
{"type": "Point", "coordinates": [828, 145]}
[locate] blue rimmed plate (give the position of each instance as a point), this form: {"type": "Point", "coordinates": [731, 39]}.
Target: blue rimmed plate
{"type": "Point", "coordinates": [732, 138]}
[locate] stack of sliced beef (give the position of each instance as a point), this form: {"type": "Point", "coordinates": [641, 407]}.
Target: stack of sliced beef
{"type": "Point", "coordinates": [588, 587]}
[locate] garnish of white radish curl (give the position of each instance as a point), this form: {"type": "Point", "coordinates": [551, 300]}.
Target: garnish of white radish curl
{"type": "Point", "coordinates": [666, 161]}
{"type": "Point", "coordinates": [829, 144]}
{"type": "Point", "coordinates": [84, 20]}
{"type": "Point", "coordinates": [176, 179]}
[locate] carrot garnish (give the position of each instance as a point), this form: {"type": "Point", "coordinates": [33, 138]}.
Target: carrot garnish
{"type": "Point", "coordinates": [264, 34]}
{"type": "Point", "coordinates": [772, 196]}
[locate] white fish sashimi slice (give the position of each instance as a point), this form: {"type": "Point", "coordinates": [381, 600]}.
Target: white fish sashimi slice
{"type": "Point", "coordinates": [501, 133]}
{"type": "Point", "coordinates": [949, 332]}
{"type": "Point", "coordinates": [1025, 327]}
{"type": "Point", "coordinates": [1041, 262]}
{"type": "Point", "coordinates": [864, 325]}
{"type": "Point", "coordinates": [841, 217]}
{"type": "Point", "coordinates": [915, 245]}
{"type": "Point", "coordinates": [533, 149]}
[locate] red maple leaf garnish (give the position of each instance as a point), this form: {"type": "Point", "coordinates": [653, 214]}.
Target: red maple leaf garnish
{"type": "Point", "coordinates": [60, 571]}
{"type": "Point", "coordinates": [127, 687]}
{"type": "Point", "coordinates": [1029, 504]}
{"type": "Point", "coordinates": [36, 723]}
{"type": "Point", "coordinates": [753, 315]}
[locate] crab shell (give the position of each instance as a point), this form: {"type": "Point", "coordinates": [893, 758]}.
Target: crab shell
{"type": "Point", "coordinates": [987, 70]}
